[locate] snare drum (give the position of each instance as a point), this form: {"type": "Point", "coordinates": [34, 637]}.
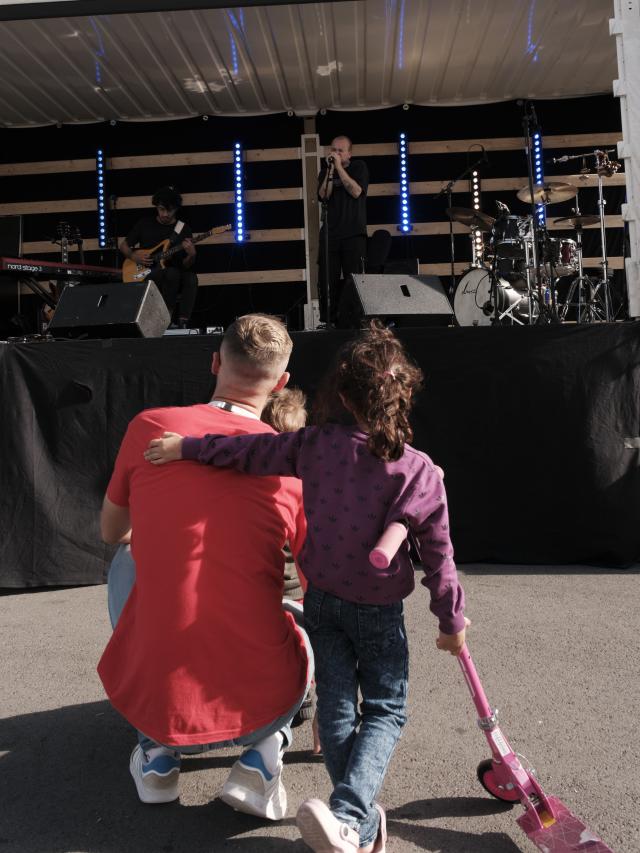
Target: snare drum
{"type": "Point", "coordinates": [506, 237]}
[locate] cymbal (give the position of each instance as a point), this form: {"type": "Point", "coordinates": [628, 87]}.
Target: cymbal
{"type": "Point", "coordinates": [472, 218]}
{"type": "Point", "coordinates": [577, 221]}
{"type": "Point", "coordinates": [550, 193]}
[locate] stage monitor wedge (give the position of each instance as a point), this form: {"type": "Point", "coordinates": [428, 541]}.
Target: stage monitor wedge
{"type": "Point", "coordinates": [404, 300]}
{"type": "Point", "coordinates": [110, 311]}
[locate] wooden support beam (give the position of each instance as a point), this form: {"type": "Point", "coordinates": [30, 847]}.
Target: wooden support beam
{"type": "Point", "coordinates": [204, 158]}
{"type": "Point", "coordinates": [280, 235]}
{"type": "Point", "coordinates": [250, 277]}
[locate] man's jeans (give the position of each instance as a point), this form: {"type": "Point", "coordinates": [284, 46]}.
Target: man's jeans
{"type": "Point", "coordinates": [357, 646]}
{"type": "Point", "coordinates": [122, 575]}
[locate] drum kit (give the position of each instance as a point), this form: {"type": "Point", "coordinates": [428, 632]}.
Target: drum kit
{"type": "Point", "coordinates": [514, 279]}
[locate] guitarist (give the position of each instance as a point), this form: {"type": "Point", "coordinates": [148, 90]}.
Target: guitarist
{"type": "Point", "coordinates": [177, 282]}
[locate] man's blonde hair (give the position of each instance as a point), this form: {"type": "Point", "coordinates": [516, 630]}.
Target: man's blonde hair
{"type": "Point", "coordinates": [285, 410]}
{"type": "Point", "coordinates": [258, 345]}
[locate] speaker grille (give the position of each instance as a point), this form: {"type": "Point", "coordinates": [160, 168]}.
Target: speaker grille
{"type": "Point", "coordinates": [110, 311]}
{"type": "Point", "coordinates": [407, 300]}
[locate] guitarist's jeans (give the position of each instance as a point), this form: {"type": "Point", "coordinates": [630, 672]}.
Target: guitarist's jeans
{"type": "Point", "coordinates": [178, 287]}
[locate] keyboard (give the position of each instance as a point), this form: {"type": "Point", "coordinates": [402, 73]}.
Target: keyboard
{"type": "Point", "coordinates": [43, 270]}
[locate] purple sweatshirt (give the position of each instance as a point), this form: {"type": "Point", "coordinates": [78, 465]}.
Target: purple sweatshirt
{"type": "Point", "coordinates": [350, 497]}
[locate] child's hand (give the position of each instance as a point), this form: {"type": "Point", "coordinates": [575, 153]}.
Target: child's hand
{"type": "Point", "coordinates": [453, 642]}
{"type": "Point", "coordinates": [165, 449]}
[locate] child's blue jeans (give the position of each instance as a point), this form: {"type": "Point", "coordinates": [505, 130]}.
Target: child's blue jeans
{"type": "Point", "coordinates": [357, 647]}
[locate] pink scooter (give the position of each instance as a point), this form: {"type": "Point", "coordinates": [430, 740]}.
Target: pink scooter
{"type": "Point", "coordinates": [546, 821]}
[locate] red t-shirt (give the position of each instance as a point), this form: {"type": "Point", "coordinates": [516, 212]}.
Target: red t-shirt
{"type": "Point", "coordinates": [203, 651]}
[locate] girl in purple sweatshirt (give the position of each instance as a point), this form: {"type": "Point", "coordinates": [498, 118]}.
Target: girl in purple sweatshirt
{"type": "Point", "coordinates": [357, 480]}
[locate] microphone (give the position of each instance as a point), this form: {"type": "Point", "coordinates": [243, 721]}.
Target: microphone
{"type": "Point", "coordinates": [533, 114]}
{"type": "Point", "coordinates": [487, 308]}
{"type": "Point", "coordinates": [485, 158]}
{"type": "Point", "coordinates": [330, 160]}
{"type": "Point", "coordinates": [562, 159]}
{"type": "Point", "coordinates": [503, 208]}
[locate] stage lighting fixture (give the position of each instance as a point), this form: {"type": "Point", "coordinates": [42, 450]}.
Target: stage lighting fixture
{"type": "Point", "coordinates": [477, 245]}
{"type": "Point", "coordinates": [101, 196]}
{"type": "Point", "coordinates": [241, 231]}
{"type": "Point", "coordinates": [405, 211]}
{"type": "Point", "coordinates": [538, 172]}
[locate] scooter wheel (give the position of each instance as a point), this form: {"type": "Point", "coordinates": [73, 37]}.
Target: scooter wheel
{"type": "Point", "coordinates": [488, 780]}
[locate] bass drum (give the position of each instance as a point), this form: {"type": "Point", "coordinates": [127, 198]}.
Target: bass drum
{"type": "Point", "coordinates": [473, 305]}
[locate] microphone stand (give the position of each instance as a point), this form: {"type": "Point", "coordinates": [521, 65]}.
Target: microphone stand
{"type": "Point", "coordinates": [324, 218]}
{"type": "Point", "coordinates": [448, 190]}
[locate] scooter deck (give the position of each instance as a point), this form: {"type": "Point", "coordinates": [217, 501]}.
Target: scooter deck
{"type": "Point", "coordinates": [567, 834]}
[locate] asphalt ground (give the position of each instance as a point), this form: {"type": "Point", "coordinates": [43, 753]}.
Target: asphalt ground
{"type": "Point", "coordinates": [557, 651]}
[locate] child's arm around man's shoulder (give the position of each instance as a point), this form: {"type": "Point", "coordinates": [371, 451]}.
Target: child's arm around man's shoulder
{"type": "Point", "coordinates": [165, 449]}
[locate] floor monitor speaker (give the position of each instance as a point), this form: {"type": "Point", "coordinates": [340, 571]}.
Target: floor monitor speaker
{"type": "Point", "coordinates": [405, 300]}
{"type": "Point", "coordinates": [110, 311]}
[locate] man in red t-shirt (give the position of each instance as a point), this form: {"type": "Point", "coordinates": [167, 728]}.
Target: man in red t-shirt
{"type": "Point", "coordinates": [203, 654]}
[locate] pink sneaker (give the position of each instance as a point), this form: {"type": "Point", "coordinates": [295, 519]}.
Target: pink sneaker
{"type": "Point", "coordinates": [323, 832]}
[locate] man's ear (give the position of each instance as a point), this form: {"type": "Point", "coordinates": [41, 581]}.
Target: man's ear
{"type": "Point", "coordinates": [215, 364]}
{"type": "Point", "coordinates": [281, 382]}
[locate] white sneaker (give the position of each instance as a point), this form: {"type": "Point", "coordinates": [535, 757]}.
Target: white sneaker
{"type": "Point", "coordinates": [252, 789]}
{"type": "Point", "coordinates": [156, 773]}
{"type": "Point", "coordinates": [323, 832]}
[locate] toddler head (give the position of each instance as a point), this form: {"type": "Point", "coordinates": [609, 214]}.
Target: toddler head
{"type": "Point", "coordinates": [285, 410]}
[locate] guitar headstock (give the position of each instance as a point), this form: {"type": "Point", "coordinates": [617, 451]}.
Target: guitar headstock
{"type": "Point", "coordinates": [63, 230]}
{"type": "Point", "coordinates": [219, 229]}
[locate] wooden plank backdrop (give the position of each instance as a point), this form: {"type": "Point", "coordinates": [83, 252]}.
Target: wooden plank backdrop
{"type": "Point", "coordinates": [275, 195]}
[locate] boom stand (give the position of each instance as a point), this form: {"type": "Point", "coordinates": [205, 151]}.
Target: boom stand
{"type": "Point", "coordinates": [324, 219]}
{"type": "Point", "coordinates": [604, 282]}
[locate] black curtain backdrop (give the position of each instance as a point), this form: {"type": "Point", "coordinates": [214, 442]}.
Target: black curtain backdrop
{"type": "Point", "coordinates": [528, 423]}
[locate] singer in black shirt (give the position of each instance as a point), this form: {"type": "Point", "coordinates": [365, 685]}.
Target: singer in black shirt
{"type": "Point", "coordinates": [343, 184]}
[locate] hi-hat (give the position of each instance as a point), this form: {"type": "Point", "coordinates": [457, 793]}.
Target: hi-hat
{"type": "Point", "coordinates": [550, 193]}
{"type": "Point", "coordinates": [472, 218]}
{"type": "Point", "coordinates": [577, 221]}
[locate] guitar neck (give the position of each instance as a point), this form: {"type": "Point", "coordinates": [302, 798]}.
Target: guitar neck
{"type": "Point", "coordinates": [178, 248]}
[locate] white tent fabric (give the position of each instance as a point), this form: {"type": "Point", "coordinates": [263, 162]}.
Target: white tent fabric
{"type": "Point", "coordinates": [301, 58]}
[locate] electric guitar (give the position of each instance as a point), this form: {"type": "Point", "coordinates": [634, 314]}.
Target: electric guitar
{"type": "Point", "coordinates": [135, 272]}
{"type": "Point", "coordinates": [64, 238]}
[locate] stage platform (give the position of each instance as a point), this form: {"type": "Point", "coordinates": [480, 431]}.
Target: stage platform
{"type": "Point", "coordinates": [534, 426]}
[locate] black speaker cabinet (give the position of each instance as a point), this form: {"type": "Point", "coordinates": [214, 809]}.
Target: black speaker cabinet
{"type": "Point", "coordinates": [110, 311]}
{"type": "Point", "coordinates": [405, 300]}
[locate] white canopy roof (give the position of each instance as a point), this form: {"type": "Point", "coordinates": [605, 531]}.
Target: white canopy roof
{"type": "Point", "coordinates": [304, 58]}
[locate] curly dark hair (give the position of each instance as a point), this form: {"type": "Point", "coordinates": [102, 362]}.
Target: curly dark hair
{"type": "Point", "coordinates": [376, 382]}
{"type": "Point", "coordinates": [168, 197]}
